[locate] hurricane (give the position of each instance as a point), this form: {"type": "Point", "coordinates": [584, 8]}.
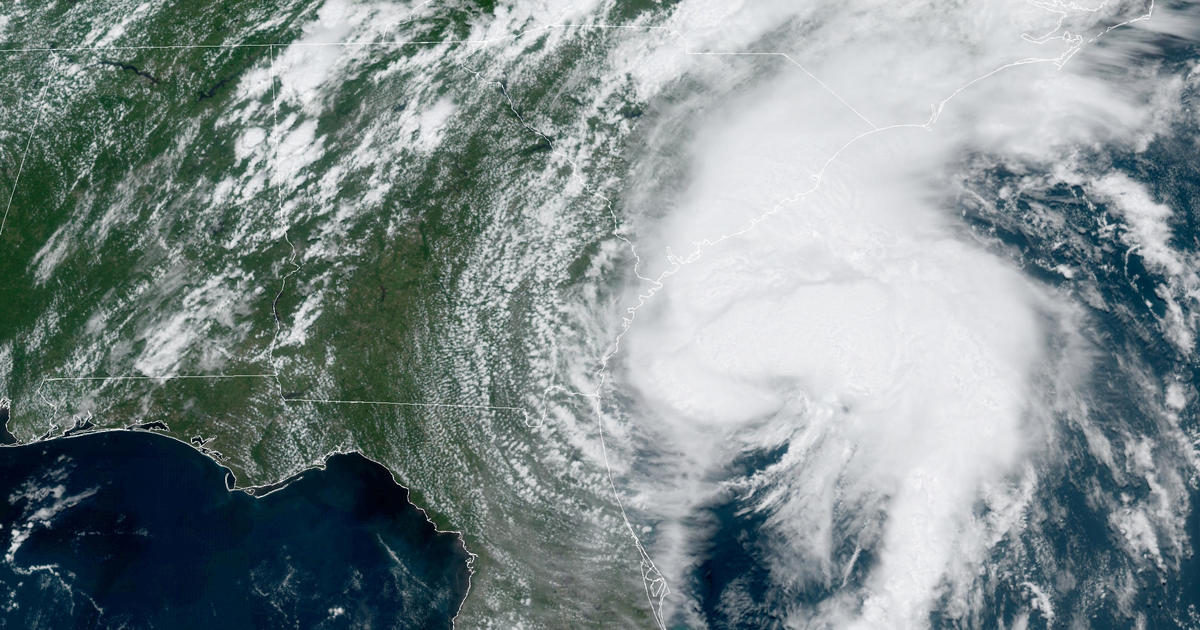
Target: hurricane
{"type": "Point", "coordinates": [866, 375]}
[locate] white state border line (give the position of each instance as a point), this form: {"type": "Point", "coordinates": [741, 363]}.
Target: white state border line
{"type": "Point", "coordinates": [285, 399]}
{"type": "Point", "coordinates": [172, 377]}
{"type": "Point", "coordinates": [296, 269]}
{"type": "Point", "coordinates": [353, 44]}
{"type": "Point", "coordinates": [28, 142]}
{"type": "Point", "coordinates": [655, 583]}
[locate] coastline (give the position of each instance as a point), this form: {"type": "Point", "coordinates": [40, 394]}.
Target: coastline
{"type": "Point", "coordinates": [260, 491]}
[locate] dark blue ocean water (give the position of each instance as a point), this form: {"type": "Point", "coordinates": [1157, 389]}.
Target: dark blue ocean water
{"type": "Point", "coordinates": [128, 529]}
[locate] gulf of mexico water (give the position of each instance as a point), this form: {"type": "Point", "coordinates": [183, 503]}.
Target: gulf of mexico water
{"type": "Point", "coordinates": [129, 529]}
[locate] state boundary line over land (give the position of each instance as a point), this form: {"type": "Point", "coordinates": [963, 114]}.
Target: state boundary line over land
{"type": "Point", "coordinates": [286, 399]}
{"type": "Point", "coordinates": [28, 143]}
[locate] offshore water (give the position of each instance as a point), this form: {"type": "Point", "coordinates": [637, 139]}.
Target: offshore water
{"type": "Point", "coordinates": [128, 529]}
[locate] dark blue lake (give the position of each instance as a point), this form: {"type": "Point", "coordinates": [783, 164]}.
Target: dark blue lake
{"type": "Point", "coordinates": [128, 529]}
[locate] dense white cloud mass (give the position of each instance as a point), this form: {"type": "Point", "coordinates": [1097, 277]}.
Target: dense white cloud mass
{"type": "Point", "coordinates": [819, 297]}
{"type": "Point", "coordinates": [892, 360]}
